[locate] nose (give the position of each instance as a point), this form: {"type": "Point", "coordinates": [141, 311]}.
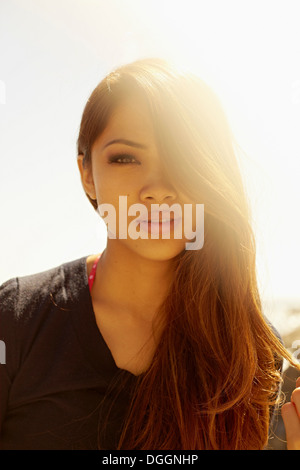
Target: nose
{"type": "Point", "coordinates": [157, 189]}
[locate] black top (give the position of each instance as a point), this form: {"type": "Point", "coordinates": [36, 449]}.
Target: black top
{"type": "Point", "coordinates": [59, 378]}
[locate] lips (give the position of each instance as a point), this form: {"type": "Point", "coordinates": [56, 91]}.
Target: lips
{"type": "Point", "coordinates": [158, 217]}
{"type": "Point", "coordinates": [162, 227]}
{"type": "Point", "coordinates": [155, 221]}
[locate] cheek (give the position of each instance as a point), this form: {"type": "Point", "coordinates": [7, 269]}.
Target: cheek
{"type": "Point", "coordinates": [108, 190]}
{"type": "Point", "coordinates": [110, 185]}
{"type": "Point", "coordinates": [116, 205]}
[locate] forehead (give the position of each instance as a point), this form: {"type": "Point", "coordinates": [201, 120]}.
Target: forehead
{"type": "Point", "coordinates": [130, 120]}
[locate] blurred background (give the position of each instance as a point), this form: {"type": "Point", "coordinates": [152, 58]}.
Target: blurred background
{"type": "Point", "coordinates": [54, 52]}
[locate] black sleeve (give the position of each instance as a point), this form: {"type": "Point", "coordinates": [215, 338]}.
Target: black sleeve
{"type": "Point", "coordinates": [10, 346]}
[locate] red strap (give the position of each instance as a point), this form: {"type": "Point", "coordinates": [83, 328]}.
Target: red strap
{"type": "Point", "coordinates": [93, 272]}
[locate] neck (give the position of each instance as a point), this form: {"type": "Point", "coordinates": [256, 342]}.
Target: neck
{"type": "Point", "coordinates": [131, 283]}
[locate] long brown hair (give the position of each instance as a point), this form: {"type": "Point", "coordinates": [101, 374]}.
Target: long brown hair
{"type": "Point", "coordinates": [214, 377]}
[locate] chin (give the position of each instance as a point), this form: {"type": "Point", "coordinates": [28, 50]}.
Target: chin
{"type": "Point", "coordinates": [157, 250]}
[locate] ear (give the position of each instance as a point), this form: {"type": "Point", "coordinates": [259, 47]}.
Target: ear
{"type": "Point", "coordinates": [86, 175]}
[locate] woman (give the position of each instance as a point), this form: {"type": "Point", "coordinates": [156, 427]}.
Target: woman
{"type": "Point", "coordinates": [155, 343]}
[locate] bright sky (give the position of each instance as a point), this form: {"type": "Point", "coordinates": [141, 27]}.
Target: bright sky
{"type": "Point", "coordinates": [53, 54]}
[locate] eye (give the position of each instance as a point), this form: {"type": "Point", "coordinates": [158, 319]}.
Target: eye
{"type": "Point", "coordinates": [123, 159]}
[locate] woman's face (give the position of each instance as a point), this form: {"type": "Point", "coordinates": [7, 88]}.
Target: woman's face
{"type": "Point", "coordinates": [126, 162]}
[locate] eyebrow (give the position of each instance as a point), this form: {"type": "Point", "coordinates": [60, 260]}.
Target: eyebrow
{"type": "Point", "coordinates": [131, 143]}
